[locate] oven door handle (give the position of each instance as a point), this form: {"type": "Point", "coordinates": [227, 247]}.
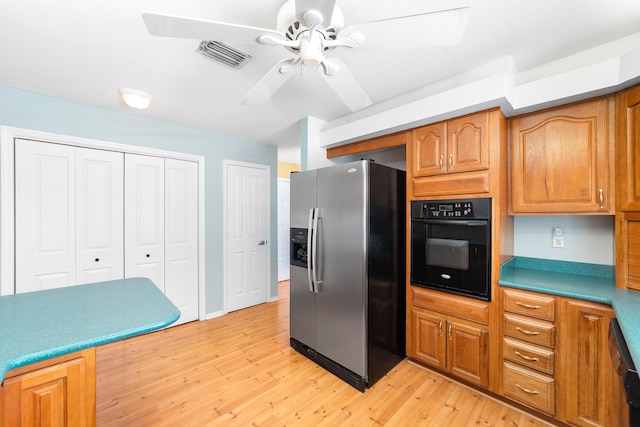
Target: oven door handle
{"type": "Point", "coordinates": [467, 222]}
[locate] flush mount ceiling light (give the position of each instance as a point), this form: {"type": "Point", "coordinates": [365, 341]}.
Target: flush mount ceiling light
{"type": "Point", "coordinates": [135, 98]}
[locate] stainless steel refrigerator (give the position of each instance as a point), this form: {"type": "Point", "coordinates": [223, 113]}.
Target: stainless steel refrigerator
{"type": "Point", "coordinates": [347, 276]}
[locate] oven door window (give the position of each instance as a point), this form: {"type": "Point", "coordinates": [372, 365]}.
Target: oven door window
{"type": "Point", "coordinates": [449, 253]}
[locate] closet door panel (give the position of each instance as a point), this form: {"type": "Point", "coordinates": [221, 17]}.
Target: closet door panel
{"type": "Point", "coordinates": [100, 226]}
{"type": "Point", "coordinates": [144, 218]}
{"type": "Point", "coordinates": [45, 216]}
{"type": "Point", "coordinates": [181, 236]}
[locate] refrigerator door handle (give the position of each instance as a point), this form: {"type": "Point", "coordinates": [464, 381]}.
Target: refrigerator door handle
{"type": "Point", "coordinates": [314, 250]}
{"type": "Point", "coordinates": [310, 249]}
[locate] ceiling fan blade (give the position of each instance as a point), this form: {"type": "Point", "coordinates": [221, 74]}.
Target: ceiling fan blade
{"type": "Point", "coordinates": [163, 25]}
{"type": "Point", "coordinates": [345, 85]}
{"type": "Point", "coordinates": [325, 7]}
{"type": "Point", "coordinates": [445, 28]}
{"type": "Point", "coordinates": [270, 82]}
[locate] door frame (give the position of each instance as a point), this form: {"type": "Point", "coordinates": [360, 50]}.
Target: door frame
{"type": "Point", "coordinates": [7, 196]}
{"type": "Point", "coordinates": [225, 197]}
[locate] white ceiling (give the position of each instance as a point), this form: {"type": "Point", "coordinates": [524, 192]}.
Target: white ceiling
{"type": "Point", "coordinates": [84, 51]}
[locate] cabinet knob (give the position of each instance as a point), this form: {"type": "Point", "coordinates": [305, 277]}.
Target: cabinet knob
{"type": "Point", "coordinates": [148, 255]}
{"type": "Point", "coordinates": [97, 260]}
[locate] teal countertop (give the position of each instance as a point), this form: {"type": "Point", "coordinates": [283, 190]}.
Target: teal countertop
{"type": "Point", "coordinates": [588, 282]}
{"type": "Point", "coordinates": [35, 326]}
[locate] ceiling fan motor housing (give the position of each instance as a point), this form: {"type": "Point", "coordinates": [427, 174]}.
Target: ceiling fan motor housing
{"type": "Point", "coordinates": [292, 29]}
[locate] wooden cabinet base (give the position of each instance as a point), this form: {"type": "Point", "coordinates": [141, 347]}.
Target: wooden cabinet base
{"type": "Point", "coordinates": [55, 392]}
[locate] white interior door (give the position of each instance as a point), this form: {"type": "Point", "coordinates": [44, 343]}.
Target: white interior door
{"type": "Point", "coordinates": [181, 237]}
{"type": "Point", "coordinates": [144, 218]}
{"type": "Point", "coordinates": [99, 215]}
{"type": "Point", "coordinates": [247, 234]}
{"type": "Point", "coordinates": [45, 216]}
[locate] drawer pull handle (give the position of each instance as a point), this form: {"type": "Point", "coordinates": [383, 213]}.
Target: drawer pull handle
{"type": "Point", "coordinates": [533, 307]}
{"type": "Point", "coordinates": [526, 390]}
{"type": "Point", "coordinates": [529, 358]}
{"type": "Point", "coordinates": [524, 331]}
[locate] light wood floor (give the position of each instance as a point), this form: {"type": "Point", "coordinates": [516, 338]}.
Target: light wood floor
{"type": "Point", "coordinates": [239, 370]}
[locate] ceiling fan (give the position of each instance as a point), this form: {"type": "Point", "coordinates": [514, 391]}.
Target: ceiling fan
{"type": "Point", "coordinates": [312, 28]}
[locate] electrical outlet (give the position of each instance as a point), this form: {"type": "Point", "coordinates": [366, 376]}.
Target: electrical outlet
{"type": "Point", "coordinates": [557, 238]}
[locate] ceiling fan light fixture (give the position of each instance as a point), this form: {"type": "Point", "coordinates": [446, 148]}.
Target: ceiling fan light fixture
{"type": "Point", "coordinates": [311, 51]}
{"type": "Point", "coordinates": [135, 98]}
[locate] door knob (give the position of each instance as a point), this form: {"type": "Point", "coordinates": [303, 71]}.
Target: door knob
{"type": "Point", "coordinates": [262, 242]}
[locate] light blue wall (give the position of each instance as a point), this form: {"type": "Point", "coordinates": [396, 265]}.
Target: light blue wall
{"type": "Point", "coordinates": [588, 239]}
{"type": "Point", "coordinates": [31, 111]}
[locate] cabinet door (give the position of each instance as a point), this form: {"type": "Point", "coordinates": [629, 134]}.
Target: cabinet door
{"type": "Point", "coordinates": [181, 237]}
{"type": "Point", "coordinates": [144, 218]}
{"type": "Point", "coordinates": [561, 160]}
{"type": "Point", "coordinates": [99, 221]}
{"type": "Point", "coordinates": [592, 386]}
{"type": "Point", "coordinates": [468, 143]}
{"type": "Point", "coordinates": [628, 153]}
{"type": "Point", "coordinates": [429, 150]}
{"type": "Point", "coordinates": [52, 394]}
{"type": "Point", "coordinates": [467, 352]}
{"type": "Point", "coordinates": [45, 200]}
{"type": "Point", "coordinates": [429, 340]}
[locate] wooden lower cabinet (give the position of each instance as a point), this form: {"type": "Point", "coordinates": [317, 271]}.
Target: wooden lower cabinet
{"type": "Point", "coordinates": [556, 359]}
{"type": "Point", "coordinates": [591, 388]}
{"type": "Point", "coordinates": [454, 345]}
{"type": "Point", "coordinates": [56, 392]}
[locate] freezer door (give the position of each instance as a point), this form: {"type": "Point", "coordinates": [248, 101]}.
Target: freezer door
{"type": "Point", "coordinates": [302, 197]}
{"type": "Point", "coordinates": [341, 314]}
{"type": "Point", "coordinates": [302, 302]}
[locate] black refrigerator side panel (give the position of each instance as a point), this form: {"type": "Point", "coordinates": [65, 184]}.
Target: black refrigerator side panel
{"type": "Point", "coordinates": [386, 271]}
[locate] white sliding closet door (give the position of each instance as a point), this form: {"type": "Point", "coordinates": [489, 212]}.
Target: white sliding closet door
{"type": "Point", "coordinates": [181, 236]}
{"type": "Point", "coordinates": [144, 218]}
{"type": "Point", "coordinates": [68, 215]}
{"type": "Point", "coordinates": [45, 216]}
{"type": "Point", "coordinates": [99, 221]}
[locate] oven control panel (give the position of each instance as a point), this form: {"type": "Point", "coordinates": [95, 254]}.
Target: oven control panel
{"type": "Point", "coordinates": [461, 209]}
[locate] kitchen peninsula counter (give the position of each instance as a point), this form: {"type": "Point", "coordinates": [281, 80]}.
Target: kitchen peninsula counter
{"type": "Point", "coordinates": [37, 326]}
{"type": "Point", "coordinates": [582, 281]}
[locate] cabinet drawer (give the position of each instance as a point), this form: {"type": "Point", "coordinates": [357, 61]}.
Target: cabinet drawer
{"type": "Point", "coordinates": [529, 304]}
{"type": "Point", "coordinates": [530, 330]}
{"type": "Point", "coordinates": [463, 307]}
{"type": "Point", "coordinates": [532, 356]}
{"type": "Point", "coordinates": [529, 387]}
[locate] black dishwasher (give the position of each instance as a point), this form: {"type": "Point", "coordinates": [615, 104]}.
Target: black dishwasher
{"type": "Point", "coordinates": [626, 370]}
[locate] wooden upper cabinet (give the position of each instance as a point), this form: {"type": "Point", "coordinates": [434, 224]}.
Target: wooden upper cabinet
{"type": "Point", "coordinates": [429, 150]}
{"type": "Point", "coordinates": [459, 145]}
{"type": "Point", "coordinates": [628, 153]}
{"type": "Point", "coordinates": [468, 143]}
{"type": "Point", "coordinates": [562, 160]}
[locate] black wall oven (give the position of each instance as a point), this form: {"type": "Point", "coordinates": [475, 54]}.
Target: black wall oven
{"type": "Point", "coordinates": [451, 246]}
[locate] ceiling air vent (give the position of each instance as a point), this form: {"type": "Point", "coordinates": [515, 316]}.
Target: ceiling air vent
{"type": "Point", "coordinates": [224, 53]}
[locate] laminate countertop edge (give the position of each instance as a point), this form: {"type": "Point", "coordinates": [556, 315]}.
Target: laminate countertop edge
{"type": "Point", "coordinates": [575, 280]}
{"type": "Point", "coordinates": [36, 326]}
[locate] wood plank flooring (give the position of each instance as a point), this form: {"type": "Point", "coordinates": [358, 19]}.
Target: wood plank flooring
{"type": "Point", "coordinates": [238, 370]}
